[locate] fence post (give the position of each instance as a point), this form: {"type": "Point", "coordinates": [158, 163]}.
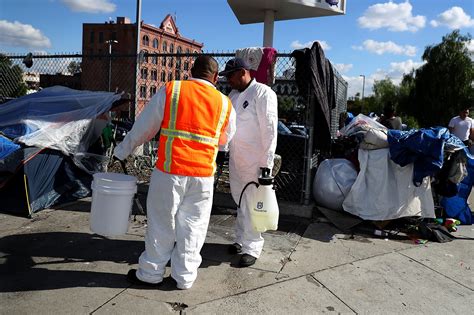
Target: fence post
{"type": "Point", "coordinates": [309, 148]}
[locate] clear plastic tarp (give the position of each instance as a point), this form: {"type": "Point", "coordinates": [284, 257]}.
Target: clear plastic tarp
{"type": "Point", "coordinates": [58, 118]}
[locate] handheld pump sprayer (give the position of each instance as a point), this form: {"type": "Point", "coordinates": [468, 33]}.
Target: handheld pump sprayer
{"type": "Point", "coordinates": [263, 205]}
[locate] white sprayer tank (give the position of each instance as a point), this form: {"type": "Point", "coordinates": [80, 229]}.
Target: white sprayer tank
{"type": "Point", "coordinates": [112, 199]}
{"type": "Point", "coordinates": [264, 211]}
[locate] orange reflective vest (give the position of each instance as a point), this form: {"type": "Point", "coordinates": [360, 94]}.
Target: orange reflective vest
{"type": "Point", "coordinates": [195, 116]}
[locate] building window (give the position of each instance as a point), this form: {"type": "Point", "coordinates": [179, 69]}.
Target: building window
{"type": "Point", "coordinates": [145, 40]}
{"type": "Point", "coordinates": [101, 37]}
{"type": "Point", "coordinates": [154, 75]}
{"type": "Point", "coordinates": [170, 62]}
{"type": "Point", "coordinates": [163, 76]}
{"type": "Point", "coordinates": [143, 91]}
{"type": "Point", "coordinates": [170, 76]}
{"type": "Point", "coordinates": [144, 73]}
{"type": "Point", "coordinates": [171, 48]}
{"type": "Point", "coordinates": [186, 76]}
{"type": "Point", "coordinates": [177, 75]}
{"type": "Point", "coordinates": [152, 90]}
{"type": "Point", "coordinates": [165, 46]}
{"type": "Point", "coordinates": [163, 61]}
{"type": "Point", "coordinates": [154, 60]}
{"type": "Point", "coordinates": [178, 63]}
{"type": "Point", "coordinates": [186, 65]}
{"type": "Point", "coordinates": [145, 56]}
{"type": "Point", "coordinates": [92, 37]}
{"type": "Point", "coordinates": [155, 43]}
{"type": "Point", "coordinates": [179, 50]}
{"type": "Point", "coordinates": [188, 51]}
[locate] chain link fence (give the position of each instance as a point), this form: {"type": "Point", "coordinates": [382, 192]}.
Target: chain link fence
{"type": "Point", "coordinates": [118, 73]}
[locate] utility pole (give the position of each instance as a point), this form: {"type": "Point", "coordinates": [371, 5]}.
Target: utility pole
{"type": "Point", "coordinates": [110, 42]}
{"type": "Point", "coordinates": [363, 87]}
{"type": "Point", "coordinates": [137, 62]}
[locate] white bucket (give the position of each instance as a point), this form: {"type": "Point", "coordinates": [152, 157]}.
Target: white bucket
{"type": "Point", "coordinates": [112, 198]}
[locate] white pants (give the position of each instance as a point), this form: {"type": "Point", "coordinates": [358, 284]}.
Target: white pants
{"type": "Point", "coordinates": [245, 235]}
{"type": "Point", "coordinates": [178, 211]}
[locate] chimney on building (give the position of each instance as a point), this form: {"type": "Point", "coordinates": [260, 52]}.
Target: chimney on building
{"type": "Point", "coordinates": [123, 20]}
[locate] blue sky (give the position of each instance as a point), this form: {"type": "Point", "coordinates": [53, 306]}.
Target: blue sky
{"type": "Point", "coordinates": [376, 38]}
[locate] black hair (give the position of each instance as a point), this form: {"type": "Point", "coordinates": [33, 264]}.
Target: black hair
{"type": "Point", "coordinates": [205, 67]}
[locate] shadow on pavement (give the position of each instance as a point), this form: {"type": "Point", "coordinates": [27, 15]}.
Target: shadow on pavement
{"type": "Point", "coordinates": [25, 260]}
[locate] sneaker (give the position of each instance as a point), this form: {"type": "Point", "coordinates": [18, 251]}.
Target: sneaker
{"type": "Point", "coordinates": [247, 260]}
{"type": "Point", "coordinates": [235, 249]}
{"type": "Point", "coordinates": [132, 278]}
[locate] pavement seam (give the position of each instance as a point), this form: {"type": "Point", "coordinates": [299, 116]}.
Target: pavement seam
{"type": "Point", "coordinates": [110, 299]}
{"type": "Point", "coordinates": [436, 271]}
{"type": "Point", "coordinates": [330, 291]}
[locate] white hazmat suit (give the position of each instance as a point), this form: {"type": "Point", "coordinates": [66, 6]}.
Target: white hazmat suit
{"type": "Point", "coordinates": [253, 146]}
{"type": "Point", "coordinates": [178, 207]}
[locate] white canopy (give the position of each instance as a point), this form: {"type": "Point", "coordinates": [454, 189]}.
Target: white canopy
{"type": "Point", "coordinates": [268, 11]}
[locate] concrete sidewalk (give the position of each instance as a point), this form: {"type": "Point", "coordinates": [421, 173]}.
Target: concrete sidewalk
{"type": "Point", "coordinates": [54, 264]}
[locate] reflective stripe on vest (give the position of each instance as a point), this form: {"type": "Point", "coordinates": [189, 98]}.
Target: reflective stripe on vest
{"type": "Point", "coordinates": [172, 124]}
{"type": "Point", "coordinates": [170, 134]}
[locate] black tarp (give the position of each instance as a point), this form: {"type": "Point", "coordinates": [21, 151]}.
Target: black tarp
{"type": "Point", "coordinates": [41, 181]}
{"type": "Point", "coordinates": [314, 76]}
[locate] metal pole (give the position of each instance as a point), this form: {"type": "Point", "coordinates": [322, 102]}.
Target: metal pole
{"type": "Point", "coordinates": [309, 150]}
{"type": "Point", "coordinates": [363, 87]}
{"type": "Point", "coordinates": [110, 62]}
{"type": "Point", "coordinates": [137, 64]}
{"type": "Point", "coordinates": [268, 28]}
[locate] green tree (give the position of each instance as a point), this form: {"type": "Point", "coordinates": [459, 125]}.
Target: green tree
{"type": "Point", "coordinates": [385, 92]}
{"type": "Point", "coordinates": [11, 79]}
{"type": "Point", "coordinates": [444, 84]}
{"type": "Point", "coordinates": [285, 105]}
{"type": "Point", "coordinates": [74, 67]}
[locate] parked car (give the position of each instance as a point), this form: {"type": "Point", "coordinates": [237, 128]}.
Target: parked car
{"type": "Point", "coordinates": [298, 129]}
{"type": "Point", "coordinates": [291, 148]}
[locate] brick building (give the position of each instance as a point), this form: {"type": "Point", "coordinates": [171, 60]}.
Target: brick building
{"type": "Point", "coordinates": [101, 72]}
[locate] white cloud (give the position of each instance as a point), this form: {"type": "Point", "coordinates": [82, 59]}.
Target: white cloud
{"type": "Point", "coordinates": [297, 45]}
{"type": "Point", "coordinates": [90, 6]}
{"type": "Point", "coordinates": [381, 48]}
{"type": "Point", "coordinates": [22, 35]}
{"type": "Point", "coordinates": [398, 69]}
{"type": "Point", "coordinates": [395, 17]}
{"type": "Point", "coordinates": [343, 68]}
{"type": "Point", "coordinates": [470, 46]}
{"type": "Point", "coordinates": [394, 73]}
{"type": "Point", "coordinates": [453, 18]}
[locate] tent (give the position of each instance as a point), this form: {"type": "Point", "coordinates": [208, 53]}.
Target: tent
{"type": "Point", "coordinates": [43, 147]}
{"type": "Point", "coordinates": [45, 178]}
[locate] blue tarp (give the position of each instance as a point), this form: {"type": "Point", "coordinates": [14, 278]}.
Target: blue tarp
{"type": "Point", "coordinates": [7, 147]}
{"type": "Point", "coordinates": [457, 207]}
{"type": "Point", "coordinates": [56, 117]}
{"type": "Point", "coordinates": [424, 148]}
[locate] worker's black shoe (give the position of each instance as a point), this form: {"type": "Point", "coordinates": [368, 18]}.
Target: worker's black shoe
{"type": "Point", "coordinates": [235, 248]}
{"type": "Point", "coordinates": [132, 278]}
{"type": "Point", "coordinates": [247, 260]}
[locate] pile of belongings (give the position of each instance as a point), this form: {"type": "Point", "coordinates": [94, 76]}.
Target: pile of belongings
{"type": "Point", "coordinates": [44, 142]}
{"type": "Point", "coordinates": [389, 174]}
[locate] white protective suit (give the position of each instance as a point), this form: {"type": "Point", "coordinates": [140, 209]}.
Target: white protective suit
{"type": "Point", "coordinates": [252, 147]}
{"type": "Point", "coordinates": [178, 207]}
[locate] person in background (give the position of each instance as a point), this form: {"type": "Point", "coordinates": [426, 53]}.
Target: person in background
{"type": "Point", "coordinates": [194, 118]}
{"type": "Point", "coordinates": [390, 119]}
{"type": "Point", "coordinates": [252, 148]}
{"type": "Point", "coordinates": [462, 126]}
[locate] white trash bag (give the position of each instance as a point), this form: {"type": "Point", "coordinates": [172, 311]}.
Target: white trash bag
{"type": "Point", "coordinates": [332, 182]}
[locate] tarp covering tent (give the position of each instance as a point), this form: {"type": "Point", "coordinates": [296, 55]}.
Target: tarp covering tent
{"type": "Point", "coordinates": [45, 178]}
{"type": "Point", "coordinates": [47, 135]}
